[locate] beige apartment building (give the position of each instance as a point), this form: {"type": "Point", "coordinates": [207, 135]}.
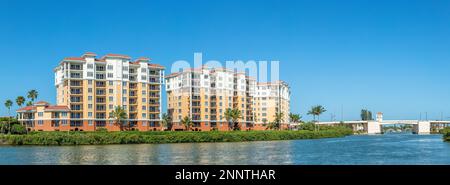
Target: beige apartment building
{"type": "Point", "coordinates": [89, 88]}
{"type": "Point", "coordinates": [203, 94]}
{"type": "Point", "coordinates": [271, 98]}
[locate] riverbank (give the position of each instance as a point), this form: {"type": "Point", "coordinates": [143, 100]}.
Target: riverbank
{"type": "Point", "coordinates": [446, 134]}
{"type": "Point", "coordinates": [105, 138]}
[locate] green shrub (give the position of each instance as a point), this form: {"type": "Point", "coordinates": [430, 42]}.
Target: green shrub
{"type": "Point", "coordinates": [135, 137]}
{"type": "Point", "coordinates": [101, 129]}
{"type": "Point", "coordinates": [18, 129]}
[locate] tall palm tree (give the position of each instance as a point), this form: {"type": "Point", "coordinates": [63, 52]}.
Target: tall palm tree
{"type": "Point", "coordinates": [278, 120]}
{"type": "Point", "coordinates": [167, 121]}
{"type": "Point", "coordinates": [33, 94]}
{"type": "Point", "coordinates": [119, 114]}
{"type": "Point", "coordinates": [29, 103]}
{"type": "Point", "coordinates": [316, 111]}
{"type": "Point", "coordinates": [294, 118]}
{"type": "Point", "coordinates": [8, 105]}
{"type": "Point", "coordinates": [187, 122]}
{"type": "Point", "coordinates": [20, 100]}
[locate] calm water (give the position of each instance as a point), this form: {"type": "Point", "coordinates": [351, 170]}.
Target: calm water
{"type": "Point", "coordinates": [380, 149]}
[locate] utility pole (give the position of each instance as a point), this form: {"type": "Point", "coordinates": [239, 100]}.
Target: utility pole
{"type": "Point", "coordinates": [426, 116]}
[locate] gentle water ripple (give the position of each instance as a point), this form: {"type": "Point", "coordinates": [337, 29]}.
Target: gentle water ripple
{"type": "Point", "coordinates": [359, 150]}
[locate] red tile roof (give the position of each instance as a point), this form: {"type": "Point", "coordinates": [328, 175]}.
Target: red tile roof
{"type": "Point", "coordinates": [57, 107]}
{"type": "Point", "coordinates": [142, 59]}
{"type": "Point", "coordinates": [41, 102]}
{"type": "Point", "coordinates": [27, 108]}
{"type": "Point", "coordinates": [156, 66]}
{"type": "Point", "coordinates": [74, 58]}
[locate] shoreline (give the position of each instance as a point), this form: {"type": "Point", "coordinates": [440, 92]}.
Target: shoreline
{"type": "Point", "coordinates": [114, 138]}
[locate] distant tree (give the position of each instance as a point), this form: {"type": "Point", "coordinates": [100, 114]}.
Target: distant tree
{"type": "Point", "coordinates": [187, 122]}
{"type": "Point", "coordinates": [119, 114]}
{"type": "Point", "coordinates": [8, 105]}
{"type": "Point", "coordinates": [33, 94]}
{"type": "Point", "coordinates": [167, 121]}
{"type": "Point", "coordinates": [366, 115]}
{"type": "Point", "coordinates": [317, 111]}
{"type": "Point", "coordinates": [29, 103]}
{"type": "Point", "coordinates": [294, 118]}
{"type": "Point", "coordinates": [20, 100]}
{"type": "Point", "coordinates": [233, 116]}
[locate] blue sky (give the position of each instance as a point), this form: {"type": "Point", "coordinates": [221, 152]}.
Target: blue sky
{"type": "Point", "coordinates": [389, 56]}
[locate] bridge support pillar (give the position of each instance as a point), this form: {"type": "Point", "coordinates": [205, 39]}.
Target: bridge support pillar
{"type": "Point", "coordinates": [373, 127]}
{"type": "Point", "coordinates": [423, 127]}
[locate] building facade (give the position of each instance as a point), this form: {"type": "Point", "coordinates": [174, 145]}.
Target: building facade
{"type": "Point", "coordinates": [92, 87]}
{"type": "Point", "coordinates": [204, 94]}
{"type": "Point", "coordinates": [271, 98]}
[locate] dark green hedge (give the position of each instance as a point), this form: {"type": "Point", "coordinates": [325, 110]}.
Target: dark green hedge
{"type": "Point", "coordinates": [446, 134]}
{"type": "Point", "coordinates": [102, 138]}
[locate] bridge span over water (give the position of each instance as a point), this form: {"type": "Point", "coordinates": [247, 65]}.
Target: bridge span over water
{"type": "Point", "coordinates": [375, 126]}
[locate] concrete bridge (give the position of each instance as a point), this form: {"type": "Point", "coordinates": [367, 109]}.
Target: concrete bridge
{"type": "Point", "coordinates": [375, 126]}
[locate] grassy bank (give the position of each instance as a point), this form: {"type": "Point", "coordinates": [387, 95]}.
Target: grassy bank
{"type": "Point", "coordinates": [103, 138]}
{"type": "Point", "coordinates": [446, 134]}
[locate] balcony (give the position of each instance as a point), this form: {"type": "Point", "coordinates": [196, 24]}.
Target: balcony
{"type": "Point", "coordinates": [100, 84]}
{"type": "Point", "coordinates": [76, 67]}
{"type": "Point", "coordinates": [76, 83]}
{"type": "Point", "coordinates": [100, 92]}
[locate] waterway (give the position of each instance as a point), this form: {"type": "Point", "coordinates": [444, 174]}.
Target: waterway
{"type": "Point", "coordinates": [393, 149]}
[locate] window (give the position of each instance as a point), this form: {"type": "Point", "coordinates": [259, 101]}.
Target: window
{"type": "Point", "coordinates": [89, 90]}
{"type": "Point", "coordinates": [124, 91]}
{"type": "Point", "coordinates": [90, 66]}
{"type": "Point", "coordinates": [143, 70]}
{"type": "Point", "coordinates": [41, 122]}
{"type": "Point", "coordinates": [111, 98]}
{"type": "Point", "coordinates": [144, 92]}
{"type": "Point", "coordinates": [64, 122]}
{"type": "Point", "coordinates": [89, 98]}
{"type": "Point", "coordinates": [111, 82]}
{"type": "Point", "coordinates": [125, 76]}
{"type": "Point", "coordinates": [89, 106]}
{"type": "Point", "coordinates": [144, 107]}
{"type": "Point", "coordinates": [64, 114]}
{"type": "Point", "coordinates": [90, 114]}
{"type": "Point", "coordinates": [144, 100]}
{"type": "Point", "coordinates": [110, 75]}
{"type": "Point", "coordinates": [124, 99]}
{"type": "Point", "coordinates": [40, 114]}
{"type": "Point", "coordinates": [144, 123]}
{"type": "Point", "coordinates": [90, 82]}
{"type": "Point", "coordinates": [124, 83]}
{"type": "Point", "coordinates": [111, 106]}
{"type": "Point", "coordinates": [90, 74]}
{"type": "Point", "coordinates": [125, 68]}
{"type": "Point", "coordinates": [110, 67]}
{"type": "Point", "coordinates": [111, 91]}
{"type": "Point", "coordinates": [144, 115]}
{"type": "Point", "coordinates": [90, 123]}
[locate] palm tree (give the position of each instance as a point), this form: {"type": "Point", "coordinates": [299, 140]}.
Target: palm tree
{"type": "Point", "coordinates": [233, 116]}
{"type": "Point", "coordinates": [229, 117]}
{"type": "Point", "coordinates": [20, 100]}
{"type": "Point", "coordinates": [295, 118]}
{"type": "Point", "coordinates": [316, 111]}
{"type": "Point", "coordinates": [167, 121]}
{"type": "Point", "coordinates": [278, 120]}
{"type": "Point", "coordinates": [119, 114]}
{"type": "Point", "coordinates": [29, 103]}
{"type": "Point", "coordinates": [8, 105]}
{"type": "Point", "coordinates": [187, 122]}
{"type": "Point", "coordinates": [33, 94]}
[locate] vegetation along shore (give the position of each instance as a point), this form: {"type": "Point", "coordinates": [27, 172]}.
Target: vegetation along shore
{"type": "Point", "coordinates": [134, 137]}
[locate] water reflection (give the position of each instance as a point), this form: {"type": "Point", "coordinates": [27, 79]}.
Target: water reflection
{"type": "Point", "coordinates": [381, 149]}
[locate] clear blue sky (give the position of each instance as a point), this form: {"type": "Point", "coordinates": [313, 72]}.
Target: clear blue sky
{"type": "Point", "coordinates": [391, 56]}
